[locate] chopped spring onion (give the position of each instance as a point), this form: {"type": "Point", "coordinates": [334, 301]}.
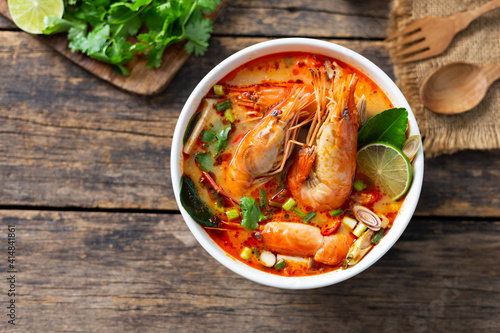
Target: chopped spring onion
{"type": "Point", "coordinates": [349, 222]}
{"type": "Point", "coordinates": [299, 212]}
{"type": "Point", "coordinates": [359, 229]}
{"type": "Point", "coordinates": [289, 204]}
{"type": "Point", "coordinates": [219, 208]}
{"type": "Point", "coordinates": [256, 253]}
{"type": "Point", "coordinates": [275, 204]}
{"type": "Point", "coordinates": [280, 264]}
{"type": "Point", "coordinates": [336, 212]}
{"type": "Point", "coordinates": [263, 199]}
{"type": "Point", "coordinates": [233, 214]}
{"type": "Point", "coordinates": [219, 89]}
{"type": "Point", "coordinates": [229, 115]}
{"type": "Point", "coordinates": [309, 216]}
{"type": "Point", "coordinates": [223, 105]}
{"type": "Point", "coordinates": [246, 253]}
{"type": "Point", "coordinates": [359, 185]}
{"type": "Point", "coordinates": [378, 236]}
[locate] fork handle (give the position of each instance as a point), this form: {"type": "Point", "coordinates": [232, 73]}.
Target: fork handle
{"type": "Point", "coordinates": [471, 15]}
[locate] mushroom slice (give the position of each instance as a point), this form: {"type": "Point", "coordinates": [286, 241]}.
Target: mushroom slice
{"type": "Point", "coordinates": [267, 258]}
{"type": "Point", "coordinates": [385, 221]}
{"type": "Point", "coordinates": [329, 70]}
{"type": "Point", "coordinates": [363, 114]}
{"type": "Point", "coordinates": [297, 260]}
{"type": "Point", "coordinates": [411, 146]}
{"type": "Point", "coordinates": [359, 248]}
{"type": "Point", "coordinates": [207, 107]}
{"type": "Point", "coordinates": [368, 217]}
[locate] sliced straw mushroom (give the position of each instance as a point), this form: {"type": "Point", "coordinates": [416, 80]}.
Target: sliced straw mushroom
{"type": "Point", "coordinates": [359, 248]}
{"type": "Point", "coordinates": [367, 217]}
{"type": "Point", "coordinates": [411, 146]}
{"type": "Point", "coordinates": [361, 106]}
{"type": "Point", "coordinates": [329, 70]}
{"type": "Point", "coordinates": [288, 259]}
{"type": "Point", "coordinates": [207, 106]}
{"type": "Point", "coordinates": [267, 258]}
{"type": "Point", "coordinates": [385, 221]}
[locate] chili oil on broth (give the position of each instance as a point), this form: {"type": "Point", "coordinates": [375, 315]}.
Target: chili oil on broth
{"type": "Point", "coordinates": [278, 69]}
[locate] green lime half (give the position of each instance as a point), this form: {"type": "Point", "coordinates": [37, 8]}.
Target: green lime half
{"type": "Point", "coordinates": [28, 15]}
{"type": "Point", "coordinates": [387, 167]}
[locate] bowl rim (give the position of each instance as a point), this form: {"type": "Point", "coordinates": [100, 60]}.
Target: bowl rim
{"type": "Point", "coordinates": [296, 45]}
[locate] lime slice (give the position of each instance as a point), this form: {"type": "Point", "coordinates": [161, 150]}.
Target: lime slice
{"type": "Point", "coordinates": [387, 167]}
{"type": "Point", "coordinates": [28, 15]}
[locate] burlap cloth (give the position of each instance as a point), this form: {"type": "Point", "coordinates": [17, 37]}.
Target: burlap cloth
{"type": "Point", "coordinates": [478, 128]}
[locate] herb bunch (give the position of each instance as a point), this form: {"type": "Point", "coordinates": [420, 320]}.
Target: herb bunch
{"type": "Point", "coordinates": [115, 32]}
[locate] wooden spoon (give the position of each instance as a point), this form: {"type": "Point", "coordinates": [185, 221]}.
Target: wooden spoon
{"type": "Point", "coordinates": [457, 87]}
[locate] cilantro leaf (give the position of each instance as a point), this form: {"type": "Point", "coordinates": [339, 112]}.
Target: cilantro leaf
{"type": "Point", "coordinates": [222, 139]}
{"type": "Point", "coordinates": [205, 161]}
{"type": "Point", "coordinates": [198, 32]}
{"type": "Point", "coordinates": [250, 213]}
{"type": "Point", "coordinates": [208, 6]}
{"type": "Point", "coordinates": [208, 136]}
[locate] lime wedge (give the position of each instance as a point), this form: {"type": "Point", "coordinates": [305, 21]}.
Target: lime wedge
{"type": "Point", "coordinates": [28, 15]}
{"type": "Point", "coordinates": [387, 167]}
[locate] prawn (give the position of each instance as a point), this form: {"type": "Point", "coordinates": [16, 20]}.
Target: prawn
{"type": "Point", "coordinates": [264, 149]}
{"type": "Point", "coordinates": [298, 239]}
{"type": "Point", "coordinates": [322, 173]}
{"type": "Point", "coordinates": [260, 97]}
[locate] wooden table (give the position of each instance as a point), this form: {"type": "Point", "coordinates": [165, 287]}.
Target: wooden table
{"type": "Point", "coordinates": [101, 246]}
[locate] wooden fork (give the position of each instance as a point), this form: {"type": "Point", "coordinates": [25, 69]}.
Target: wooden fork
{"type": "Point", "coordinates": [430, 36]}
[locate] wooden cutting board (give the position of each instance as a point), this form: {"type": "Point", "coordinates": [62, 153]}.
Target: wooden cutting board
{"type": "Point", "coordinates": [141, 80]}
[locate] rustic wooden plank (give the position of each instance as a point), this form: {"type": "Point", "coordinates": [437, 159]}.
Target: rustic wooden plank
{"type": "Point", "coordinates": [95, 272]}
{"type": "Point", "coordinates": [354, 8]}
{"type": "Point", "coordinates": [462, 184]}
{"type": "Point", "coordinates": [6, 24]}
{"type": "Point", "coordinates": [299, 21]}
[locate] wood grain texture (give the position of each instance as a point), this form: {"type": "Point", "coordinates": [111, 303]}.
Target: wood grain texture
{"type": "Point", "coordinates": [270, 21]}
{"type": "Point", "coordinates": [351, 8]}
{"type": "Point", "coordinates": [103, 272]}
{"type": "Point", "coordinates": [6, 24]}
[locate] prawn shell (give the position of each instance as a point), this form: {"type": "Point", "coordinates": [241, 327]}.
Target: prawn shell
{"type": "Point", "coordinates": [334, 249]}
{"type": "Point", "coordinates": [295, 239]}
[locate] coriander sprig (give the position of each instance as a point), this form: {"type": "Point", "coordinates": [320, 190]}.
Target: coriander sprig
{"type": "Point", "coordinates": [115, 32]}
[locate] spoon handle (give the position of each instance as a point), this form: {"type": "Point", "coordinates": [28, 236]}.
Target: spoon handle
{"type": "Point", "coordinates": [492, 72]}
{"type": "Point", "coordinates": [475, 13]}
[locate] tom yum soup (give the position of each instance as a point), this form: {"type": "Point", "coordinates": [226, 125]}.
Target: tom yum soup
{"type": "Point", "coordinates": [293, 167]}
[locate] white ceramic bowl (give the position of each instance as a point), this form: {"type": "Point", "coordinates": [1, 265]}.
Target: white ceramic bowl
{"type": "Point", "coordinates": [313, 46]}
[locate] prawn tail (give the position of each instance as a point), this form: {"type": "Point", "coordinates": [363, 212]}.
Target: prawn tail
{"type": "Point", "coordinates": [304, 162]}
